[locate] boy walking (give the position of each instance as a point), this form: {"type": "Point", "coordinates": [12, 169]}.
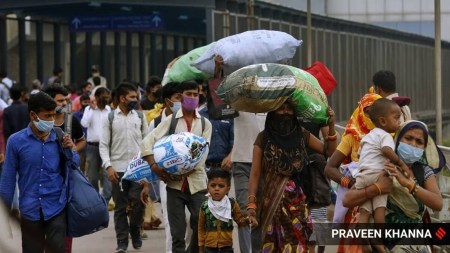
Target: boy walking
{"type": "Point", "coordinates": [215, 223]}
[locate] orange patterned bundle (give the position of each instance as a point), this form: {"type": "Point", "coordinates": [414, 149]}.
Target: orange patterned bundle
{"type": "Point", "coordinates": [359, 124]}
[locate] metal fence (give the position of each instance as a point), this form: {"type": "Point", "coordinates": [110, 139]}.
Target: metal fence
{"type": "Point", "coordinates": [30, 48]}
{"type": "Point", "coordinates": [354, 58]}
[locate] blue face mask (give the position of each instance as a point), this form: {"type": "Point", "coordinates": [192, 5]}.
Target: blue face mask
{"type": "Point", "coordinates": [44, 125]}
{"type": "Point", "coordinates": [408, 153]}
{"type": "Point", "coordinates": [175, 107]}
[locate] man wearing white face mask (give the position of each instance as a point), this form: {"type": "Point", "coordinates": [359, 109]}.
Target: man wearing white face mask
{"type": "Point", "coordinates": [59, 95]}
{"type": "Point", "coordinates": [171, 98]}
{"type": "Point", "coordinates": [34, 154]}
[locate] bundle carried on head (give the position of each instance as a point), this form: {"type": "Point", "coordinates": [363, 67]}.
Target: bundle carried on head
{"type": "Point", "coordinates": [265, 87]}
{"type": "Point", "coordinates": [180, 69]}
{"type": "Point", "coordinates": [251, 47]}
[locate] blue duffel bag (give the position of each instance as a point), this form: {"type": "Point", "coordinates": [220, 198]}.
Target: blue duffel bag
{"type": "Point", "coordinates": [87, 210]}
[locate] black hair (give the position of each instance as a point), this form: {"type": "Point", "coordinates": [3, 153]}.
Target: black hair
{"type": "Point", "coordinates": [69, 88]}
{"type": "Point", "coordinates": [189, 85]}
{"type": "Point", "coordinates": [57, 70]}
{"type": "Point", "coordinates": [41, 101]}
{"type": "Point", "coordinates": [220, 173]}
{"type": "Point", "coordinates": [100, 91]}
{"type": "Point", "coordinates": [124, 88]}
{"type": "Point", "coordinates": [385, 80]}
{"type": "Point", "coordinates": [96, 80]}
{"type": "Point", "coordinates": [380, 108]}
{"type": "Point", "coordinates": [16, 92]}
{"type": "Point", "coordinates": [85, 84]}
{"type": "Point", "coordinates": [55, 89]}
{"type": "Point", "coordinates": [169, 89]}
{"type": "Point", "coordinates": [152, 82]}
{"type": "Point", "coordinates": [85, 97]}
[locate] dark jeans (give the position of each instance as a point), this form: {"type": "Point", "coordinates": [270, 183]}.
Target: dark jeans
{"type": "Point", "coordinates": [249, 239]}
{"type": "Point", "coordinates": [131, 194]}
{"type": "Point", "coordinates": [218, 250]}
{"type": "Point", "coordinates": [41, 235]}
{"type": "Point", "coordinates": [176, 203]}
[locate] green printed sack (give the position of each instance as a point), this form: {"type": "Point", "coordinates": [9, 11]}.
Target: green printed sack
{"type": "Point", "coordinates": [265, 87]}
{"type": "Point", "coordinates": [180, 69]}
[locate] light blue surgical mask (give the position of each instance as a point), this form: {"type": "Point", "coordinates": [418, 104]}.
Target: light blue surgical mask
{"type": "Point", "coordinates": [175, 107]}
{"type": "Point", "coordinates": [44, 125]}
{"type": "Point", "coordinates": [409, 154]}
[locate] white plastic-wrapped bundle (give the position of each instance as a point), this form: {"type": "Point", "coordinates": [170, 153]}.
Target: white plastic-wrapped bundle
{"type": "Point", "coordinates": [251, 47]}
{"type": "Point", "coordinates": [180, 153]}
{"type": "Point", "coordinates": [139, 170]}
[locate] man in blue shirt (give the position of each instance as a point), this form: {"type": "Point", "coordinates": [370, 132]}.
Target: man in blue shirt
{"type": "Point", "coordinates": [34, 154]}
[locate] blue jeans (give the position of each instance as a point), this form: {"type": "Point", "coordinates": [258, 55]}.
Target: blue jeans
{"type": "Point", "coordinates": [95, 170]}
{"type": "Point", "coordinates": [249, 239]}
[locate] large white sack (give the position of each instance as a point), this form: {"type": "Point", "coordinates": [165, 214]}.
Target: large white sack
{"type": "Point", "coordinates": [251, 47]}
{"type": "Point", "coordinates": [180, 153]}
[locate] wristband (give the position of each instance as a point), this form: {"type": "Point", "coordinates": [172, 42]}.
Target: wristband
{"type": "Point", "coordinates": [345, 181]}
{"type": "Point", "coordinates": [251, 196]}
{"type": "Point", "coordinates": [412, 188]}
{"type": "Point", "coordinates": [251, 205]}
{"type": "Point", "coordinates": [332, 137]}
{"type": "Point", "coordinates": [378, 187]}
{"type": "Point", "coordinates": [416, 188]}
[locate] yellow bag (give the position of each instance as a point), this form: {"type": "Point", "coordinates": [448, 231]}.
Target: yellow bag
{"type": "Point", "coordinates": [153, 113]}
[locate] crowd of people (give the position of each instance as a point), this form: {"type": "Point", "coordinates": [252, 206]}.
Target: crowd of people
{"type": "Point", "coordinates": [379, 164]}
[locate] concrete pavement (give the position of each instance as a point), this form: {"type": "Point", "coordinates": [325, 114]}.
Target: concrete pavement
{"type": "Point", "coordinates": [104, 241]}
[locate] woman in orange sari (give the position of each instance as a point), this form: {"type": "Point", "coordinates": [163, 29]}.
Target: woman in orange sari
{"type": "Point", "coordinates": [279, 204]}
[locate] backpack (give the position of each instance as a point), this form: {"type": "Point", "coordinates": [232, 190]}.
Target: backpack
{"type": "Point", "coordinates": [157, 120]}
{"type": "Point", "coordinates": [87, 211]}
{"type": "Point", "coordinates": [139, 113]}
{"type": "Point", "coordinates": [6, 86]}
{"type": "Point", "coordinates": [174, 122]}
{"type": "Point", "coordinates": [111, 118]}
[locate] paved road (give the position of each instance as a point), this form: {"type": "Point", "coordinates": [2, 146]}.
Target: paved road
{"type": "Point", "coordinates": [103, 241]}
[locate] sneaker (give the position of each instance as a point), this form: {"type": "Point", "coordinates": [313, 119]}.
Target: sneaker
{"type": "Point", "coordinates": [136, 240]}
{"type": "Point", "coordinates": [122, 246]}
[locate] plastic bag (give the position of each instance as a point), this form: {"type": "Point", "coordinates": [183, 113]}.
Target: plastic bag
{"type": "Point", "coordinates": [180, 69]}
{"type": "Point", "coordinates": [180, 153]}
{"type": "Point", "coordinates": [323, 75]}
{"type": "Point", "coordinates": [262, 88]}
{"type": "Point", "coordinates": [139, 170]}
{"type": "Point", "coordinates": [251, 47]}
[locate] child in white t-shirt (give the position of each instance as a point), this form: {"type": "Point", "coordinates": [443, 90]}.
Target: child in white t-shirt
{"type": "Point", "coordinates": [376, 149]}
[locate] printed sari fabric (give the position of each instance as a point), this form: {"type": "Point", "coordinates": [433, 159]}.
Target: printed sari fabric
{"type": "Point", "coordinates": [283, 212]}
{"type": "Point", "coordinates": [403, 207]}
{"type": "Point", "coordinates": [359, 124]}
